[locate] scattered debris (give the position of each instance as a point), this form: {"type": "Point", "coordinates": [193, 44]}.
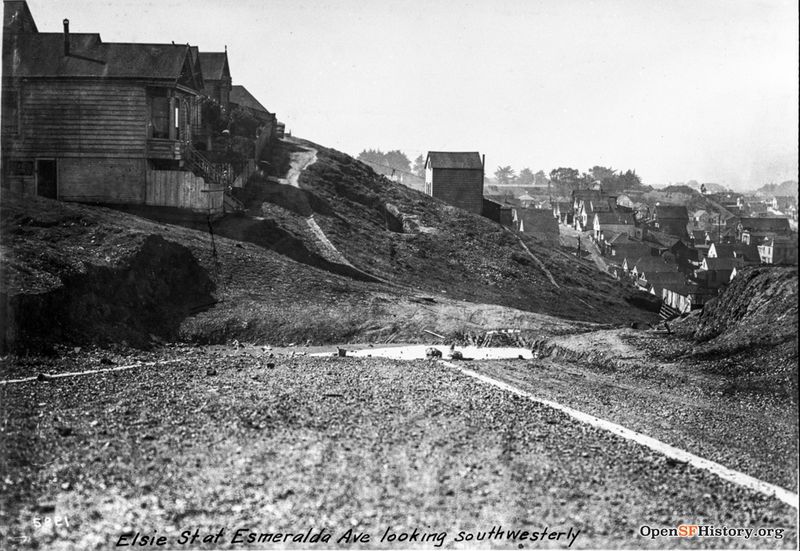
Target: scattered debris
{"type": "Point", "coordinates": [433, 353]}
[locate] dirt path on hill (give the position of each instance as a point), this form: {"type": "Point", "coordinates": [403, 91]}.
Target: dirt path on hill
{"type": "Point", "coordinates": [300, 161]}
{"type": "Point", "coordinates": [568, 237]}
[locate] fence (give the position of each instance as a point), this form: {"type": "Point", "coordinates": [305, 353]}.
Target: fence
{"type": "Point", "coordinates": [181, 189]}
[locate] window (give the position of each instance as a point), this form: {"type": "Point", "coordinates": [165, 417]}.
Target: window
{"type": "Point", "coordinates": [159, 116]}
{"type": "Point", "coordinates": [10, 111]}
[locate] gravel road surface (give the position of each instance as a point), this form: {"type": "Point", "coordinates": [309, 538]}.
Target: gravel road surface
{"type": "Point", "coordinates": [221, 440]}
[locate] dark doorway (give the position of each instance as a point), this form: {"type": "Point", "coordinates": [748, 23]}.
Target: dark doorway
{"type": "Point", "coordinates": [47, 178]}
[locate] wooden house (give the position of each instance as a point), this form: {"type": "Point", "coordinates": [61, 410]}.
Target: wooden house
{"type": "Point", "coordinates": [778, 250]}
{"type": "Point", "coordinates": [613, 222]}
{"type": "Point", "coordinates": [716, 272]}
{"type": "Point", "coordinates": [87, 120]}
{"type": "Point", "coordinates": [671, 219]}
{"type": "Point", "coordinates": [501, 213]}
{"type": "Point", "coordinates": [755, 229]}
{"type": "Point", "coordinates": [747, 253]}
{"type": "Point", "coordinates": [217, 81]}
{"type": "Point", "coordinates": [537, 222]}
{"type": "Point", "coordinates": [562, 211]}
{"type": "Point", "coordinates": [456, 178]}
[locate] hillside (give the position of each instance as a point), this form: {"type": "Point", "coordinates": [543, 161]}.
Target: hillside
{"type": "Point", "coordinates": [401, 262]}
{"type": "Point", "coordinates": [408, 238]}
{"type": "Point", "coordinates": [758, 309]}
{"type": "Point", "coordinates": [787, 188]}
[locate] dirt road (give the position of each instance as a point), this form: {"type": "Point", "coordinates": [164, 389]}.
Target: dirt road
{"type": "Point", "coordinates": [218, 439]}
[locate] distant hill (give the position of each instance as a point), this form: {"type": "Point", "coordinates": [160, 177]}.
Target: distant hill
{"type": "Point", "coordinates": [787, 188]}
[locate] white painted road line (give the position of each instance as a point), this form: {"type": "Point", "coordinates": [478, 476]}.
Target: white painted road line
{"type": "Point", "coordinates": [721, 471]}
{"type": "Point", "coordinates": [88, 372]}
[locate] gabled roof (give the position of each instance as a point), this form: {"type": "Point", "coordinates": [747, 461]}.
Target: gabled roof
{"type": "Point", "coordinates": [659, 280]}
{"type": "Point", "coordinates": [39, 55]}
{"type": "Point", "coordinates": [17, 17]}
{"type": "Point", "coordinates": [469, 160]}
{"type": "Point", "coordinates": [671, 211]}
{"type": "Point", "coordinates": [215, 65]}
{"type": "Point", "coordinates": [614, 218]}
{"type": "Point", "coordinates": [721, 264]}
{"type": "Point", "coordinates": [661, 238]}
{"type": "Point", "coordinates": [653, 264]}
{"type": "Point", "coordinates": [765, 224]}
{"type": "Point", "coordinates": [242, 97]}
{"type": "Point", "coordinates": [723, 250]}
{"type": "Point", "coordinates": [535, 221]}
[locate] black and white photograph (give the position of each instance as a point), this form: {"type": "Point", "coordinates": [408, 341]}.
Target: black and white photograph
{"type": "Point", "coordinates": [349, 274]}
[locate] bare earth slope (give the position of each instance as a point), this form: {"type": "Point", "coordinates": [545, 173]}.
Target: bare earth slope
{"type": "Point", "coordinates": [79, 274]}
{"type": "Point", "coordinates": [408, 238]}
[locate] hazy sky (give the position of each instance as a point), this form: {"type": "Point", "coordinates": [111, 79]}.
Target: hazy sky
{"type": "Point", "coordinates": [678, 90]}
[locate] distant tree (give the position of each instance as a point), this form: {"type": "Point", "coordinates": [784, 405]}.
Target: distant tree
{"type": "Point", "coordinates": [563, 175]}
{"type": "Point", "coordinates": [504, 174]}
{"type": "Point", "coordinates": [540, 179]}
{"type": "Point", "coordinates": [372, 156]}
{"type": "Point", "coordinates": [397, 159]}
{"type": "Point", "coordinates": [526, 177]}
{"type": "Point", "coordinates": [629, 180]}
{"type": "Point", "coordinates": [419, 166]}
{"type": "Point", "coordinates": [602, 173]}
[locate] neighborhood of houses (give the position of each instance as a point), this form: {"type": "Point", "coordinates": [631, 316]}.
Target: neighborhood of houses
{"type": "Point", "coordinates": [163, 125]}
{"type": "Point", "coordinates": [682, 256]}
{"type": "Point", "coordinates": [125, 123]}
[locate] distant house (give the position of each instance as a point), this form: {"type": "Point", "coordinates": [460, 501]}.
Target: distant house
{"type": "Point", "coordinates": [716, 272]}
{"type": "Point", "coordinates": [648, 265]}
{"type": "Point", "coordinates": [621, 246]}
{"type": "Point", "coordinates": [753, 230]}
{"type": "Point", "coordinates": [700, 218]}
{"type": "Point", "coordinates": [613, 222]}
{"type": "Point", "coordinates": [216, 77]}
{"type": "Point", "coordinates": [579, 197]}
{"type": "Point", "coordinates": [539, 223]}
{"type": "Point", "coordinates": [526, 200]}
{"type": "Point", "coordinates": [624, 200]}
{"type": "Point", "coordinates": [562, 211]}
{"type": "Point", "coordinates": [742, 251]}
{"type": "Point", "coordinates": [588, 208]}
{"type": "Point", "coordinates": [778, 250]}
{"type": "Point", "coordinates": [498, 212]}
{"type": "Point", "coordinates": [456, 178]}
{"type": "Point", "coordinates": [654, 282]}
{"type": "Point", "coordinates": [671, 219]}
{"type": "Point", "coordinates": [94, 121]}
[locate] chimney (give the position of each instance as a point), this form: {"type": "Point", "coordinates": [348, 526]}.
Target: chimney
{"type": "Point", "coordinates": [66, 37]}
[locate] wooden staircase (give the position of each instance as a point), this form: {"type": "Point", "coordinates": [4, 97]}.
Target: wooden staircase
{"type": "Point", "coordinates": [667, 312]}
{"type": "Point", "coordinates": [215, 175]}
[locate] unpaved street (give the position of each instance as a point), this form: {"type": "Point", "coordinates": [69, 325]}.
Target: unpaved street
{"type": "Point", "coordinates": [218, 439]}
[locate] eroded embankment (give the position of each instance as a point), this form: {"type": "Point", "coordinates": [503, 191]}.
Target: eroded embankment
{"type": "Point", "coordinates": [142, 295]}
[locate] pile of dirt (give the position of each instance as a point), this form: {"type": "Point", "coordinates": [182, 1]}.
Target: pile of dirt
{"type": "Point", "coordinates": [57, 289]}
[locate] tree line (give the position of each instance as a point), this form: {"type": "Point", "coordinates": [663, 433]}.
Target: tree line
{"type": "Point", "coordinates": [564, 180]}
{"type": "Point", "coordinates": [561, 180]}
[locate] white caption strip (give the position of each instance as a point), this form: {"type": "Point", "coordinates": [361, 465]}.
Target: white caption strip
{"type": "Point", "coordinates": [89, 372]}
{"type": "Point", "coordinates": [721, 471]}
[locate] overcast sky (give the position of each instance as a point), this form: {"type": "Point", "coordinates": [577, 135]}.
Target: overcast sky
{"type": "Point", "coordinates": [678, 90]}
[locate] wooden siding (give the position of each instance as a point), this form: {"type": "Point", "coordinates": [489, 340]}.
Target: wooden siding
{"type": "Point", "coordinates": [60, 118]}
{"type": "Point", "coordinates": [101, 180]}
{"type": "Point", "coordinates": [181, 189]}
{"type": "Point", "coordinates": [459, 187]}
